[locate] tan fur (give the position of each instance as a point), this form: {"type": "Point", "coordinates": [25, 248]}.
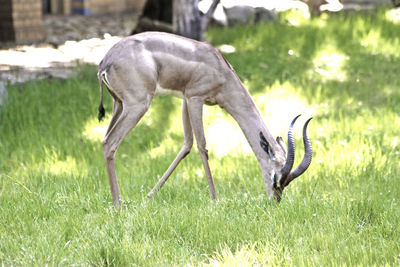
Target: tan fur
{"type": "Point", "coordinates": [137, 65]}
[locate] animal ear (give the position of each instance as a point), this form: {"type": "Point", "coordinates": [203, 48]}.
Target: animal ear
{"type": "Point", "coordinates": [267, 148]}
{"type": "Point", "coordinates": [280, 141]}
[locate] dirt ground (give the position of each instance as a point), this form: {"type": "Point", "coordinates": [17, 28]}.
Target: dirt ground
{"type": "Point", "coordinates": [70, 39]}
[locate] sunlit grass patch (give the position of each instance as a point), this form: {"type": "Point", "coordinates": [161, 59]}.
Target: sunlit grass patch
{"type": "Point", "coordinates": [56, 166]}
{"type": "Point", "coordinates": [281, 104]}
{"type": "Point", "coordinates": [374, 42]}
{"type": "Point", "coordinates": [224, 136]}
{"type": "Point", "coordinates": [95, 131]}
{"type": "Point", "coordinates": [393, 15]}
{"type": "Point", "coordinates": [168, 146]}
{"type": "Point", "coordinates": [328, 64]}
{"type": "Point", "coordinates": [248, 255]}
{"type": "Point", "coordinates": [297, 16]}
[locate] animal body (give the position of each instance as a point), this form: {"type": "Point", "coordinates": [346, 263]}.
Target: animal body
{"type": "Point", "coordinates": [138, 66]}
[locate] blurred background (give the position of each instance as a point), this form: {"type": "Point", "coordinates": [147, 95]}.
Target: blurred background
{"type": "Point", "coordinates": [45, 38]}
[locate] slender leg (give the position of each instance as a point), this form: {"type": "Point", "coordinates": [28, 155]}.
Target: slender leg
{"type": "Point", "coordinates": [117, 109]}
{"type": "Point", "coordinates": [195, 109]}
{"type": "Point", "coordinates": [129, 117]}
{"type": "Point", "coordinates": [187, 145]}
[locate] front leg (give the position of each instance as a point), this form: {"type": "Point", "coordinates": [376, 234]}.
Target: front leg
{"type": "Point", "coordinates": [195, 109]}
{"type": "Point", "coordinates": [187, 145]}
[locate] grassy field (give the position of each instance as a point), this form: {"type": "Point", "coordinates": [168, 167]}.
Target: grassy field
{"type": "Point", "coordinates": [55, 201]}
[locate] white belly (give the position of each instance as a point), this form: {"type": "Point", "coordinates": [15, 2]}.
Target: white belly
{"type": "Point", "coordinates": [163, 91]}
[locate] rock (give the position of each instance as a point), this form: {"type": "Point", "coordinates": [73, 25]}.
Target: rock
{"type": "Point", "coordinates": [239, 14]}
{"type": "Point", "coordinates": [3, 93]}
{"type": "Point", "coordinates": [248, 15]}
{"type": "Point", "coordinates": [364, 4]}
{"type": "Point", "coordinates": [229, 13]}
{"type": "Point", "coordinates": [264, 15]}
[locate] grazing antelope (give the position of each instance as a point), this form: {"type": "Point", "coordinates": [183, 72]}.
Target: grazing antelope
{"type": "Point", "coordinates": [140, 65]}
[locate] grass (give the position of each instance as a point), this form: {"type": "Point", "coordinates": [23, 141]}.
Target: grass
{"type": "Point", "coordinates": [55, 204]}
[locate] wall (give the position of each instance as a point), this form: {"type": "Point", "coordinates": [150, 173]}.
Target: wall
{"type": "Point", "coordinates": [21, 21]}
{"type": "Point", "coordinates": [89, 7]}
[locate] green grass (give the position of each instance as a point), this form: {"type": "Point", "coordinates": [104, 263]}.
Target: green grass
{"type": "Point", "coordinates": [55, 201]}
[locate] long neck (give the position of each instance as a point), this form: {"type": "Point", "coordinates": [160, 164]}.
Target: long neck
{"type": "Point", "coordinates": [243, 109]}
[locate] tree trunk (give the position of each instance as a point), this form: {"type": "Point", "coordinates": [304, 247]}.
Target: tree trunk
{"type": "Point", "coordinates": [156, 16]}
{"type": "Point", "coordinates": [179, 16]}
{"type": "Point", "coordinates": [186, 20]}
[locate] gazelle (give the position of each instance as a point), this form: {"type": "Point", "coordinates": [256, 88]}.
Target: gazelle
{"type": "Point", "coordinates": [140, 65]}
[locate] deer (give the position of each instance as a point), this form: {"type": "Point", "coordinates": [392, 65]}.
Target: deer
{"type": "Point", "coordinates": [141, 66]}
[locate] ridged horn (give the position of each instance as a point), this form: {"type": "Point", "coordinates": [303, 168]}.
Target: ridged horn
{"type": "Point", "coordinates": [290, 153]}
{"type": "Point", "coordinates": [305, 163]}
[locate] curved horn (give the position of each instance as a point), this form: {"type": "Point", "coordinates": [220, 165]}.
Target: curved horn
{"type": "Point", "coordinates": [305, 163]}
{"type": "Point", "coordinates": [290, 153]}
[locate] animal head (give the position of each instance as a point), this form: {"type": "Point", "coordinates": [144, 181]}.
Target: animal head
{"type": "Point", "coordinates": [282, 168]}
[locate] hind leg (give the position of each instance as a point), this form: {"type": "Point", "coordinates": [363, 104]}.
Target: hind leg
{"type": "Point", "coordinates": [117, 110]}
{"type": "Point", "coordinates": [130, 115]}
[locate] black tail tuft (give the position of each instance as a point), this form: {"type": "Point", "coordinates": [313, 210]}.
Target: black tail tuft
{"type": "Point", "coordinates": [102, 112]}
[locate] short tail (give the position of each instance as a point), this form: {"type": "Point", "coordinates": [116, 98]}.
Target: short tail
{"type": "Point", "coordinates": [102, 111]}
